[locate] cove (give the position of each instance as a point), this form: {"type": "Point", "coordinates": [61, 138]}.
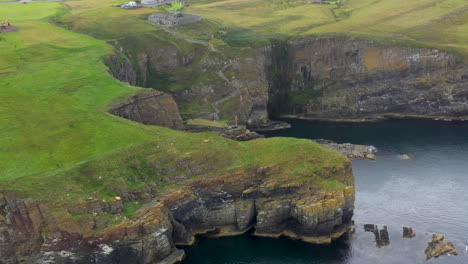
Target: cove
{"type": "Point", "coordinates": [427, 193]}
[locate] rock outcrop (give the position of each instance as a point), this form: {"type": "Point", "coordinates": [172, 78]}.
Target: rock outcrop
{"type": "Point", "coordinates": [150, 107]}
{"type": "Point", "coordinates": [342, 78]}
{"type": "Point", "coordinates": [408, 232]}
{"type": "Point", "coordinates": [352, 151]}
{"type": "Point", "coordinates": [438, 246]}
{"type": "Point", "coordinates": [335, 78]}
{"type": "Point", "coordinates": [204, 83]}
{"type": "Point", "coordinates": [382, 238]}
{"type": "Point", "coordinates": [269, 199]}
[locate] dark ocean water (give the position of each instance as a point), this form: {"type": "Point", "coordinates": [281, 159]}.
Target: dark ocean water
{"type": "Point", "coordinates": [429, 193]}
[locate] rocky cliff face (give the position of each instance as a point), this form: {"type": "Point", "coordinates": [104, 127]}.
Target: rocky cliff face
{"type": "Point", "coordinates": [341, 78]}
{"type": "Point", "coordinates": [150, 107]}
{"type": "Point", "coordinates": [268, 199]}
{"type": "Point", "coordinates": [316, 77]}
{"type": "Point", "coordinates": [205, 84]}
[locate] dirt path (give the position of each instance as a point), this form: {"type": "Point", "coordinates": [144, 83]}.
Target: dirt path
{"type": "Point", "coordinates": [8, 29]}
{"type": "Point", "coordinates": [178, 35]}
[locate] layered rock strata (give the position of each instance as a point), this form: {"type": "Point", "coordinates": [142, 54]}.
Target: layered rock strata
{"type": "Point", "coordinates": [346, 79]}
{"type": "Point", "coordinates": [218, 205]}
{"type": "Point", "coordinates": [150, 107]}
{"type": "Point", "coordinates": [337, 78]}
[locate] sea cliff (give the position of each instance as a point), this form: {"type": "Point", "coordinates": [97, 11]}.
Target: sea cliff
{"type": "Point", "coordinates": [328, 77]}
{"type": "Point", "coordinates": [137, 208]}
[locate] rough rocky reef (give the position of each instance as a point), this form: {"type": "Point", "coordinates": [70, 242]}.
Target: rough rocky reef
{"type": "Point", "coordinates": [438, 247]}
{"type": "Point", "coordinates": [272, 201]}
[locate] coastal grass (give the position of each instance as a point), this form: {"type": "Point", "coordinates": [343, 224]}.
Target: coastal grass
{"type": "Point", "coordinates": [57, 141]}
{"type": "Point", "coordinates": [55, 91]}
{"type": "Point", "coordinates": [133, 167]}
{"type": "Point", "coordinates": [436, 23]}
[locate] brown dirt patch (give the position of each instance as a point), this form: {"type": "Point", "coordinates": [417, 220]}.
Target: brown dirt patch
{"type": "Point", "coordinates": [8, 29]}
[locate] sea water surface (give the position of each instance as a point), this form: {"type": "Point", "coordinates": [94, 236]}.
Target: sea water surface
{"type": "Point", "coordinates": [428, 193]}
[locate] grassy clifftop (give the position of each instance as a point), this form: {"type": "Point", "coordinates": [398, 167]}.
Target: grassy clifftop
{"type": "Point", "coordinates": [59, 144]}
{"type": "Point", "coordinates": [55, 89]}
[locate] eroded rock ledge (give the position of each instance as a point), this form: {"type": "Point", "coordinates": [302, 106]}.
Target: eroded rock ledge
{"type": "Point", "coordinates": [230, 206]}
{"type": "Point", "coordinates": [150, 107]}
{"type": "Point", "coordinates": [219, 206]}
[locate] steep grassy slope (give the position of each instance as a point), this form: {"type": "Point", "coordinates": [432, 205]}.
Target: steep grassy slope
{"type": "Point", "coordinates": [54, 92]}
{"type": "Point", "coordinates": [55, 89]}
{"type": "Point", "coordinates": [56, 135]}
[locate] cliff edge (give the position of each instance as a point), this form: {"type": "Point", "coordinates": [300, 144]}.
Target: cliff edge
{"type": "Point", "coordinates": [137, 205]}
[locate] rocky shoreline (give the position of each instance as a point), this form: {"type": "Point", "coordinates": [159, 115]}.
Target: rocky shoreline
{"type": "Point", "coordinates": [270, 200]}
{"type": "Point", "coordinates": [378, 118]}
{"type": "Point", "coordinates": [349, 150]}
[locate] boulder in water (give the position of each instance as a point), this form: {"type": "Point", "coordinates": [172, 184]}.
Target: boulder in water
{"type": "Point", "coordinates": [438, 246]}
{"type": "Point", "coordinates": [405, 157]}
{"type": "Point", "coordinates": [408, 232]}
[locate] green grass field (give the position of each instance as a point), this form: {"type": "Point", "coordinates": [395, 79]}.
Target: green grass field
{"type": "Point", "coordinates": [438, 23]}
{"type": "Point", "coordinates": [55, 133]}
{"type": "Point", "coordinates": [54, 92]}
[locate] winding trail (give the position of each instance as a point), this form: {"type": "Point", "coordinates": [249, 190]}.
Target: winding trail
{"type": "Point", "coordinates": [178, 35]}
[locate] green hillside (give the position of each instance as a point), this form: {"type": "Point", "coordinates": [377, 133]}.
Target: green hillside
{"type": "Point", "coordinates": [55, 88]}
{"type": "Point", "coordinates": [442, 23]}
{"type": "Point", "coordinates": [55, 134]}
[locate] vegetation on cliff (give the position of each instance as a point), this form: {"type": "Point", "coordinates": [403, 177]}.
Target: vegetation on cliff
{"type": "Point", "coordinates": [58, 139]}
{"type": "Point", "coordinates": [60, 147]}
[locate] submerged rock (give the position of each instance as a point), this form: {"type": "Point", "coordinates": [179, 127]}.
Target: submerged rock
{"type": "Point", "coordinates": [370, 228]}
{"type": "Point", "coordinates": [405, 157]}
{"type": "Point", "coordinates": [382, 238]}
{"type": "Point", "coordinates": [408, 232]}
{"type": "Point", "coordinates": [438, 246]}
